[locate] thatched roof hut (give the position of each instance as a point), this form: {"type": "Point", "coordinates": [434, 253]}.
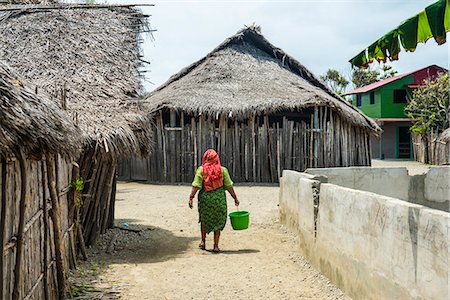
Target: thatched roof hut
{"type": "Point", "coordinates": [245, 79]}
{"type": "Point", "coordinates": [87, 58]}
{"type": "Point", "coordinates": [247, 74]}
{"type": "Point", "coordinates": [31, 124]}
{"type": "Point", "coordinates": [37, 142]}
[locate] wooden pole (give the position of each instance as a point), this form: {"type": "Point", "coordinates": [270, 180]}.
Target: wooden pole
{"type": "Point", "coordinates": [252, 123]}
{"type": "Point", "coordinates": [46, 232]}
{"type": "Point", "coordinates": [113, 202]}
{"type": "Point", "coordinates": [315, 136]}
{"type": "Point", "coordinates": [2, 223]}
{"type": "Point", "coordinates": [57, 232]}
{"type": "Point", "coordinates": [22, 209]}
{"type": "Point", "coordinates": [182, 150]}
{"type": "Point", "coordinates": [81, 242]}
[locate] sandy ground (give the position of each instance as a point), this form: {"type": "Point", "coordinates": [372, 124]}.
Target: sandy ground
{"type": "Point", "coordinates": [414, 167]}
{"type": "Point", "coordinates": [164, 262]}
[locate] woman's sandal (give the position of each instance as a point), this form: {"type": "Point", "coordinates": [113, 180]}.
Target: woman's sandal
{"type": "Point", "coordinates": [202, 245]}
{"type": "Point", "coordinates": [216, 250]}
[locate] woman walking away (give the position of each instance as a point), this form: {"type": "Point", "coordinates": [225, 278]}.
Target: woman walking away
{"type": "Point", "coordinates": [212, 180]}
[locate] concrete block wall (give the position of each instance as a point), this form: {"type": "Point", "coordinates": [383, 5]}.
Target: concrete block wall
{"type": "Point", "coordinates": [437, 187]}
{"type": "Point", "coordinates": [431, 189]}
{"type": "Point", "coordinates": [300, 216]}
{"type": "Point", "coordinates": [391, 182]}
{"type": "Point", "coordinates": [371, 246]}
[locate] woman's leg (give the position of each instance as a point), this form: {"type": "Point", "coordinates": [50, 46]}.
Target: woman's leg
{"type": "Point", "coordinates": [216, 239]}
{"type": "Point", "coordinates": [202, 243]}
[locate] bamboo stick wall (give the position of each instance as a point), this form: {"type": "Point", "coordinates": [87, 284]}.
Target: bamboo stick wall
{"type": "Point", "coordinates": [254, 150]}
{"type": "Point", "coordinates": [429, 150]}
{"type": "Point", "coordinates": [98, 170]}
{"type": "Point", "coordinates": [37, 236]}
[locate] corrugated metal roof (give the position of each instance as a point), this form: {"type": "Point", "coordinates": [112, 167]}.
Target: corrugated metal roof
{"type": "Point", "coordinates": [381, 83]}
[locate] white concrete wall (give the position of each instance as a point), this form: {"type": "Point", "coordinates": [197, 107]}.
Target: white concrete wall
{"type": "Point", "coordinates": [437, 184]}
{"type": "Point", "coordinates": [371, 246]}
{"type": "Point", "coordinates": [297, 193]}
{"type": "Point", "coordinates": [391, 182]}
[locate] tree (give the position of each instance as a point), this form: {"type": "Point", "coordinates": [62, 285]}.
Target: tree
{"type": "Point", "coordinates": [335, 81]}
{"type": "Point", "coordinates": [429, 107]}
{"type": "Point", "coordinates": [388, 72]}
{"type": "Point", "coordinates": [362, 78]}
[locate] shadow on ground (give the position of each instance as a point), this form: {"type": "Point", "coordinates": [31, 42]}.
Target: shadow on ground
{"type": "Point", "coordinates": [240, 251]}
{"type": "Point", "coordinates": [150, 244]}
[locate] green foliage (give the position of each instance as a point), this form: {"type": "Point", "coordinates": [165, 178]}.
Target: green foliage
{"type": "Point", "coordinates": [335, 81]}
{"type": "Point", "coordinates": [94, 267]}
{"type": "Point", "coordinates": [77, 185]}
{"type": "Point", "coordinates": [74, 292]}
{"type": "Point", "coordinates": [429, 107]}
{"type": "Point", "coordinates": [387, 72]}
{"type": "Point", "coordinates": [362, 78]}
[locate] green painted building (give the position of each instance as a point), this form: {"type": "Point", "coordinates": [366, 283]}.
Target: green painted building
{"type": "Point", "coordinates": [385, 102]}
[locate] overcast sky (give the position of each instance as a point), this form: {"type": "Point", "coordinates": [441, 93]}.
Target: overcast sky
{"type": "Point", "coordinates": [320, 34]}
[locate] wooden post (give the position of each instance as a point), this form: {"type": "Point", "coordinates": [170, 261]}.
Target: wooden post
{"type": "Point", "coordinates": [23, 206]}
{"type": "Point", "coordinates": [57, 230]}
{"type": "Point", "coordinates": [183, 169]}
{"type": "Point", "coordinates": [315, 139]}
{"type": "Point", "coordinates": [113, 202]}
{"type": "Point", "coordinates": [2, 223]}
{"type": "Point", "coordinates": [237, 151]}
{"type": "Point", "coordinates": [194, 140]}
{"type": "Point", "coordinates": [164, 150]}
{"type": "Point", "coordinates": [81, 242]}
{"type": "Point", "coordinates": [46, 232]}
{"type": "Point", "coordinates": [172, 147]}
{"type": "Point", "coordinates": [252, 123]}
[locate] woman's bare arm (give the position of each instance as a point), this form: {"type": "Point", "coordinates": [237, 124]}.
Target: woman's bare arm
{"type": "Point", "coordinates": [191, 196]}
{"type": "Point", "coordinates": [233, 194]}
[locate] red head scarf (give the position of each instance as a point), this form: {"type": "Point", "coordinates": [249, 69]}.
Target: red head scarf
{"type": "Point", "coordinates": [211, 171]}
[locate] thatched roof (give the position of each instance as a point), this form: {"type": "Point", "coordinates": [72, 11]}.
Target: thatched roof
{"type": "Point", "coordinates": [30, 123]}
{"type": "Point", "coordinates": [87, 55]}
{"type": "Point", "coordinates": [247, 74]}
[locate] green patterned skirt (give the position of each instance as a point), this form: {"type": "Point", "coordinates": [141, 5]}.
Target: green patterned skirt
{"type": "Point", "coordinates": [212, 209]}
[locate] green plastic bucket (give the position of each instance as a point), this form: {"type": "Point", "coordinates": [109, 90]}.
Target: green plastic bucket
{"type": "Point", "coordinates": [239, 219]}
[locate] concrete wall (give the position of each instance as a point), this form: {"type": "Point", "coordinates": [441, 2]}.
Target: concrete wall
{"type": "Point", "coordinates": [371, 246]}
{"type": "Point", "coordinates": [392, 182]}
{"type": "Point", "coordinates": [437, 186]}
{"type": "Point", "coordinates": [388, 140]}
{"type": "Point", "coordinates": [431, 189]}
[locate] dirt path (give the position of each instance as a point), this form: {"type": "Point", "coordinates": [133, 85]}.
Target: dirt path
{"type": "Point", "coordinates": [163, 261]}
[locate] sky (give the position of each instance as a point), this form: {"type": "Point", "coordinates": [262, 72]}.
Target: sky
{"type": "Point", "coordinates": [320, 34]}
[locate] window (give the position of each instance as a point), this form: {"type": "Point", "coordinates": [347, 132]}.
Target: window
{"type": "Point", "coordinates": [400, 96]}
{"type": "Point", "coordinates": [372, 97]}
{"type": "Point", "coordinates": [358, 100]}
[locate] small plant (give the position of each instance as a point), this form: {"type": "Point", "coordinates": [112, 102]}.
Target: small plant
{"type": "Point", "coordinates": [77, 185]}
{"type": "Point", "coordinates": [74, 292]}
{"type": "Point", "coordinates": [94, 267]}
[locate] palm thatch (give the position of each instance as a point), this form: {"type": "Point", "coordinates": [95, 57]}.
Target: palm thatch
{"type": "Point", "coordinates": [247, 74]}
{"type": "Point", "coordinates": [88, 60]}
{"type": "Point", "coordinates": [31, 123]}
